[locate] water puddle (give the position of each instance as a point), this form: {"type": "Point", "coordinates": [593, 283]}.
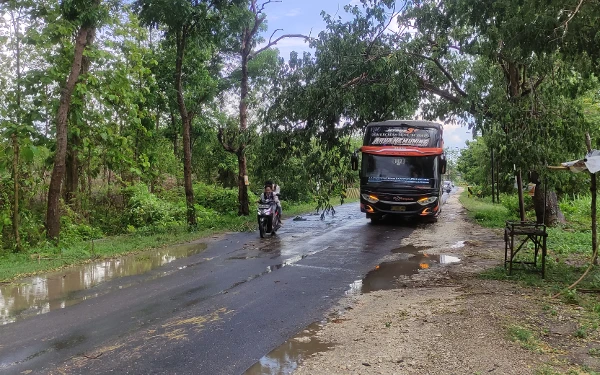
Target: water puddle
{"type": "Point", "coordinates": [410, 249]}
{"type": "Point", "coordinates": [42, 294]}
{"type": "Point", "coordinates": [385, 276]}
{"type": "Point", "coordinates": [286, 358]}
{"type": "Point", "coordinates": [288, 262]}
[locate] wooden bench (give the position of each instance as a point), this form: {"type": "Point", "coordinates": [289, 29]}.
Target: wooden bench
{"type": "Point", "coordinates": [519, 233]}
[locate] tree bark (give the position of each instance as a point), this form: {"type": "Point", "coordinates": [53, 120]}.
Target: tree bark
{"type": "Point", "coordinates": [175, 134]}
{"type": "Point", "coordinates": [73, 166]}
{"type": "Point", "coordinates": [186, 120]}
{"type": "Point", "coordinates": [553, 215]}
{"type": "Point", "coordinates": [187, 173]}
{"type": "Point", "coordinates": [72, 171]}
{"type": "Point", "coordinates": [244, 204]}
{"type": "Point", "coordinates": [53, 213]}
{"type": "Point", "coordinates": [15, 138]}
{"type": "Point", "coordinates": [16, 187]}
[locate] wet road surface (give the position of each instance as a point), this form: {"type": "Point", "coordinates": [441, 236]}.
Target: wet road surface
{"type": "Point", "coordinates": [217, 311]}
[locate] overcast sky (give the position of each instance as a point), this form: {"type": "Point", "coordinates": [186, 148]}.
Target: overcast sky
{"type": "Point", "coordinates": [304, 17]}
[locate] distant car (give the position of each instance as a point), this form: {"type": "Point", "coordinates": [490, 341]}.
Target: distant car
{"type": "Point", "coordinates": [448, 186]}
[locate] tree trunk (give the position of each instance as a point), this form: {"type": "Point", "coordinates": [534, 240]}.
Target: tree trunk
{"type": "Point", "coordinates": [73, 166]}
{"type": "Point", "coordinates": [187, 173]}
{"type": "Point", "coordinates": [244, 204]}
{"type": "Point", "coordinates": [553, 214]}
{"type": "Point", "coordinates": [175, 134]}
{"type": "Point", "coordinates": [15, 213]}
{"type": "Point", "coordinates": [15, 137]}
{"type": "Point", "coordinates": [186, 120]}
{"type": "Point", "coordinates": [72, 171]}
{"type": "Point", "coordinates": [53, 213]}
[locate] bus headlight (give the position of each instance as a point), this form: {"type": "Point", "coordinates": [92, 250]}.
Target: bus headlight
{"type": "Point", "coordinates": [370, 198]}
{"type": "Point", "coordinates": [427, 200]}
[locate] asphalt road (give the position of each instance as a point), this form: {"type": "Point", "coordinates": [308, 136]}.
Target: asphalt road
{"type": "Point", "coordinates": [217, 312]}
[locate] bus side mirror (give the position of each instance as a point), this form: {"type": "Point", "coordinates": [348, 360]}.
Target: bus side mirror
{"type": "Point", "coordinates": [443, 166]}
{"type": "Point", "coordinates": [354, 161]}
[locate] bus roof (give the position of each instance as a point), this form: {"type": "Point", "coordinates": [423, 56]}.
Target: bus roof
{"type": "Point", "coordinates": [415, 123]}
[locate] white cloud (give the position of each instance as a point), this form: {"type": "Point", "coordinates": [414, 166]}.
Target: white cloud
{"type": "Point", "coordinates": [294, 12]}
{"type": "Point", "coordinates": [455, 136]}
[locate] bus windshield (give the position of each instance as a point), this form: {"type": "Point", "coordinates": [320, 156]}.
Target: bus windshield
{"type": "Point", "coordinates": [406, 170]}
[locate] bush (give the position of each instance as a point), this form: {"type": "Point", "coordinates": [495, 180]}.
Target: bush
{"type": "Point", "coordinates": [511, 202]}
{"type": "Point", "coordinates": [219, 199]}
{"type": "Point", "coordinates": [145, 209]}
{"type": "Point", "coordinates": [579, 208]}
{"type": "Point", "coordinates": [81, 232]}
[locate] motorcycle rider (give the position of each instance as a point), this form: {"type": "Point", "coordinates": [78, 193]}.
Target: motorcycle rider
{"type": "Point", "coordinates": [276, 191]}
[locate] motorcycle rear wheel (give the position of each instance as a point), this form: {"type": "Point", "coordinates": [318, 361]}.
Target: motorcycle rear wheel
{"type": "Point", "coordinates": [261, 228]}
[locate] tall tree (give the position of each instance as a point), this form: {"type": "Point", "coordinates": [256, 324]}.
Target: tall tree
{"type": "Point", "coordinates": [17, 112]}
{"type": "Point", "coordinates": [354, 78]}
{"type": "Point", "coordinates": [502, 66]}
{"type": "Point", "coordinates": [86, 15]}
{"type": "Point", "coordinates": [249, 37]}
{"type": "Point", "coordinates": [193, 25]}
{"type": "Point", "coordinates": [15, 15]}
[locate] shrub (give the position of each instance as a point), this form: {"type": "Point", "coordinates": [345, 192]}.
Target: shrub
{"type": "Point", "coordinates": [145, 209]}
{"type": "Point", "coordinates": [219, 199]}
{"type": "Point", "coordinates": [511, 202]}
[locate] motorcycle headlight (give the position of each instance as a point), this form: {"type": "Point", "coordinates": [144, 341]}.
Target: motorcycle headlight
{"type": "Point", "coordinates": [427, 200]}
{"type": "Point", "coordinates": [370, 198]}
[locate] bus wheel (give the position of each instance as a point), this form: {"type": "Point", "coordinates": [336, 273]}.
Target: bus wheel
{"type": "Point", "coordinates": [375, 220]}
{"type": "Point", "coordinates": [430, 219]}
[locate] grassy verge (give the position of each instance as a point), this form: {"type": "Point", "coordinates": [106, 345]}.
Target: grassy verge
{"type": "Point", "coordinates": [485, 213]}
{"type": "Point", "coordinates": [569, 246]}
{"type": "Point", "coordinates": [569, 252]}
{"type": "Point", "coordinates": [48, 258]}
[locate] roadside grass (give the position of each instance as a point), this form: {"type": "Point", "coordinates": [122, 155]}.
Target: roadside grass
{"type": "Point", "coordinates": [525, 337]}
{"type": "Point", "coordinates": [569, 245]}
{"type": "Point", "coordinates": [484, 212]}
{"type": "Point", "coordinates": [548, 369]}
{"type": "Point", "coordinates": [569, 250]}
{"type": "Point", "coordinates": [49, 257]}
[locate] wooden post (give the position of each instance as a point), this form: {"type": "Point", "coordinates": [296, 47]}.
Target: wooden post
{"type": "Point", "coordinates": [497, 181]}
{"type": "Point", "coordinates": [521, 202]}
{"type": "Point", "coordinates": [493, 192]}
{"type": "Point", "coordinates": [593, 189]}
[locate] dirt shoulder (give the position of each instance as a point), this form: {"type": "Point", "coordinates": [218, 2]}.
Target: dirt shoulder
{"type": "Point", "coordinates": [448, 320]}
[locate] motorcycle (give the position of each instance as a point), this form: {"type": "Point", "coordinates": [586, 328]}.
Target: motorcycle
{"type": "Point", "coordinates": [268, 218]}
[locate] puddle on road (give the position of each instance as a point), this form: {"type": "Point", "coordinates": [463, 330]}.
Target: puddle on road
{"type": "Point", "coordinates": [410, 249]}
{"type": "Point", "coordinates": [288, 262]}
{"type": "Point", "coordinates": [42, 294]}
{"type": "Point", "coordinates": [385, 275]}
{"type": "Point", "coordinates": [286, 358]}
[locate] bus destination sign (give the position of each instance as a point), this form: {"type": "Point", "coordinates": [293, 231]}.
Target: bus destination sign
{"type": "Point", "coordinates": [398, 136]}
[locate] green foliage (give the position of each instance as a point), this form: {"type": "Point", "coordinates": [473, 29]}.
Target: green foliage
{"type": "Point", "coordinates": [523, 336]}
{"type": "Point", "coordinates": [486, 213]}
{"type": "Point", "coordinates": [144, 209]}
{"type": "Point", "coordinates": [221, 200]}
{"type": "Point", "coordinates": [511, 202]}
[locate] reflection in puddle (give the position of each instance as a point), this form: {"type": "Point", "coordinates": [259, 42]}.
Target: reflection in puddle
{"type": "Point", "coordinates": [42, 294]}
{"type": "Point", "coordinates": [286, 358]}
{"type": "Point", "coordinates": [288, 262]}
{"type": "Point", "coordinates": [385, 275]}
{"type": "Point", "coordinates": [410, 249]}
